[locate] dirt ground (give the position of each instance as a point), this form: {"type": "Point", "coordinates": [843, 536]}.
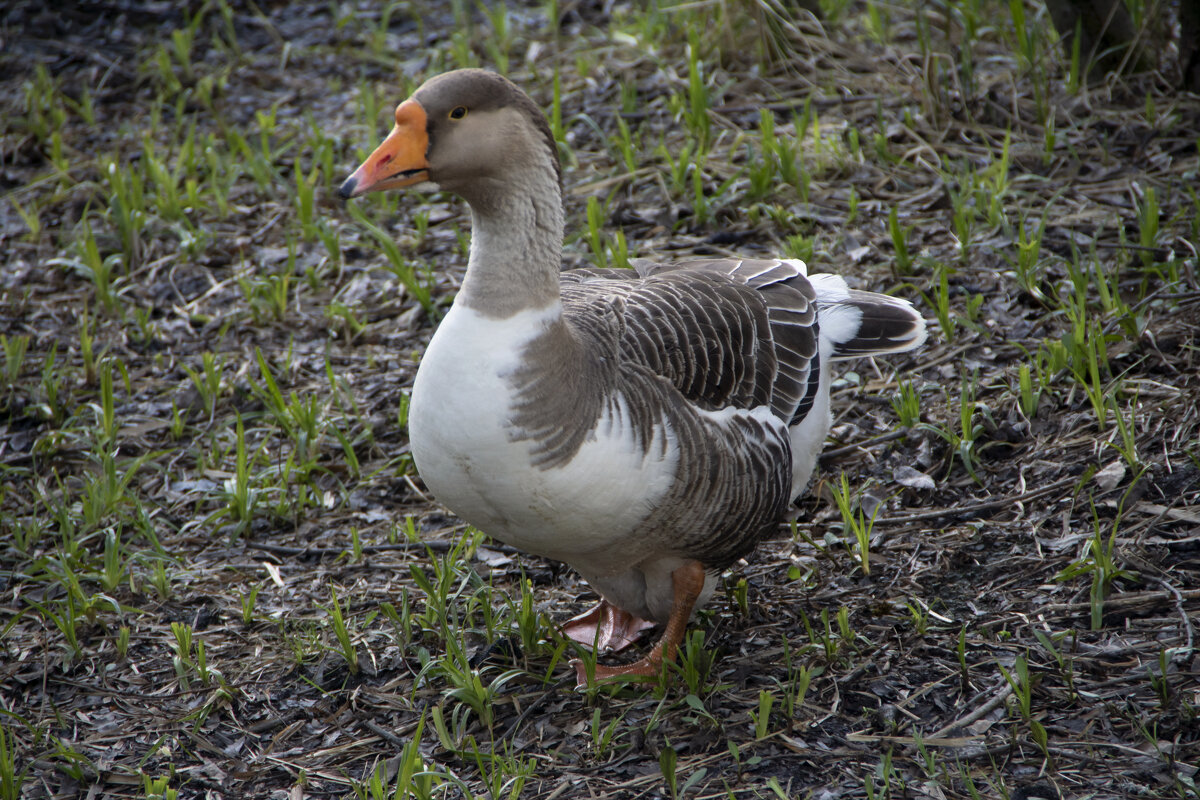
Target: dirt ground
{"type": "Point", "coordinates": [205, 379]}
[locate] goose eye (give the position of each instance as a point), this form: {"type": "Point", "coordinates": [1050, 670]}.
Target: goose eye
{"type": "Point", "coordinates": [458, 112]}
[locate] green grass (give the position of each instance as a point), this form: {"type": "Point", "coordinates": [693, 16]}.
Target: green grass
{"type": "Point", "coordinates": [856, 523]}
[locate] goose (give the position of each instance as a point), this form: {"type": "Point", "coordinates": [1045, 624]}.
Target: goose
{"type": "Point", "coordinates": [646, 426]}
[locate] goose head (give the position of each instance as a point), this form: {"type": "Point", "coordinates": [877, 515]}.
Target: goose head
{"type": "Point", "coordinates": [470, 132]}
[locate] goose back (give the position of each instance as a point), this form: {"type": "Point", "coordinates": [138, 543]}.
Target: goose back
{"type": "Point", "coordinates": [724, 332]}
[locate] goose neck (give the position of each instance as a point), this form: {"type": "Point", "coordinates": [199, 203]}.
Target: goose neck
{"type": "Point", "coordinates": [516, 248]}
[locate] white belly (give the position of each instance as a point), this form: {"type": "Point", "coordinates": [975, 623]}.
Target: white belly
{"type": "Point", "coordinates": [464, 445]}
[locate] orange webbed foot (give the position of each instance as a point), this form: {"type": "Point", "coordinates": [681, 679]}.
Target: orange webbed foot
{"type": "Point", "coordinates": [606, 628]}
{"type": "Point", "coordinates": [687, 583]}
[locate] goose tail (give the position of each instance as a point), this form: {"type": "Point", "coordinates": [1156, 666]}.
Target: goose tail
{"type": "Point", "coordinates": [856, 323]}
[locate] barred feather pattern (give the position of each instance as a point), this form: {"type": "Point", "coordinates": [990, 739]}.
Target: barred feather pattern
{"type": "Point", "coordinates": [724, 332]}
{"type": "Point", "coordinates": [887, 325]}
{"type": "Point", "coordinates": [722, 354]}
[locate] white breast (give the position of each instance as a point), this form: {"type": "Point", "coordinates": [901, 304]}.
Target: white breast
{"type": "Point", "coordinates": [465, 448]}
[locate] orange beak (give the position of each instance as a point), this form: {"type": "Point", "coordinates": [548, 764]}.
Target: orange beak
{"type": "Point", "coordinates": [399, 161]}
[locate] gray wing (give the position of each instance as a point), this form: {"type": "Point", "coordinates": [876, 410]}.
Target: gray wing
{"type": "Point", "coordinates": [724, 332]}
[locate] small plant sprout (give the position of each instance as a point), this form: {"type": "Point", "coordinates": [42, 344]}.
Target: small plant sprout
{"type": "Point", "coordinates": [817, 638]}
{"type": "Point", "coordinates": [799, 246]}
{"type": "Point", "coordinates": [122, 643]}
{"type": "Point", "coordinates": [939, 300]}
{"type": "Point", "coordinates": [1124, 438]}
{"type": "Point", "coordinates": [100, 270]}
{"type": "Point", "coordinates": [963, 218]}
{"type": "Point", "coordinates": [530, 623]}
{"type": "Point", "coordinates": [696, 114]}
{"type": "Point", "coordinates": [856, 524]}
{"type": "Point", "coordinates": [345, 317]}
{"type": "Point", "coordinates": [1097, 560]}
{"type": "Point", "coordinates": [248, 601]}
{"type": "Point", "coordinates": [919, 614]}
{"type": "Point", "coordinates": [504, 775]}
{"type": "Point", "coordinates": [800, 678]}
{"type": "Point", "coordinates": [241, 498]}
{"type": "Point", "coordinates": [595, 232]}
{"type": "Point", "coordinates": [1027, 264]}
{"type": "Point", "coordinates": [1087, 355]}
{"type": "Point", "coordinates": [305, 185]}
{"type": "Point", "coordinates": [1159, 680]}
{"type": "Point", "coordinates": [1148, 226]}
{"type": "Point", "coordinates": [469, 690]}
{"type": "Point", "coordinates": [694, 663]}
{"type": "Point", "coordinates": [604, 735]}
{"type": "Point", "coordinates": [1028, 397]}
{"type": "Point", "coordinates": [741, 596]}
{"type": "Point", "coordinates": [87, 349]}
{"type": "Point", "coordinates": [346, 647]}
{"type": "Point", "coordinates": [844, 629]}
{"type": "Point", "coordinates": [667, 760]}
{"type": "Point", "coordinates": [964, 440]}
{"type": "Point", "coordinates": [401, 619]}
{"type": "Point", "coordinates": [414, 777]}
{"type": "Point", "coordinates": [15, 348]}
{"type": "Point", "coordinates": [762, 719]}
{"type": "Point", "coordinates": [1021, 681]}
{"type": "Point", "coordinates": [160, 579]}
{"type": "Point", "coordinates": [1065, 663]}
{"type": "Point", "coordinates": [178, 425]}
{"type": "Point", "coordinates": [66, 616]}
{"type": "Point", "coordinates": [114, 569]}
{"type": "Point", "coordinates": [181, 645]}
{"type": "Point", "coordinates": [903, 262]}
{"type": "Point", "coordinates": [960, 651]}
{"type": "Point", "coordinates": [53, 407]}
{"type": "Point", "coordinates": [207, 380]}
{"type": "Point", "coordinates": [158, 788]}
{"type": "Point", "coordinates": [206, 674]}
{"type": "Point", "coordinates": [906, 402]}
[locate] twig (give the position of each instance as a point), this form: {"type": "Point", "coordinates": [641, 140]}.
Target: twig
{"type": "Point", "coordinates": [962, 511]}
{"type": "Point", "coordinates": [389, 735]}
{"type": "Point", "coordinates": [1187, 622]}
{"type": "Point", "coordinates": [997, 699]}
{"type": "Point", "coordinates": [837, 452]}
{"type": "Point", "coordinates": [437, 546]}
{"type": "Point", "coordinates": [1130, 599]}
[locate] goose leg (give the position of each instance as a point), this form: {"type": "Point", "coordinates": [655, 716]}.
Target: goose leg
{"type": "Point", "coordinates": [605, 627]}
{"type": "Point", "coordinates": [687, 583]}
